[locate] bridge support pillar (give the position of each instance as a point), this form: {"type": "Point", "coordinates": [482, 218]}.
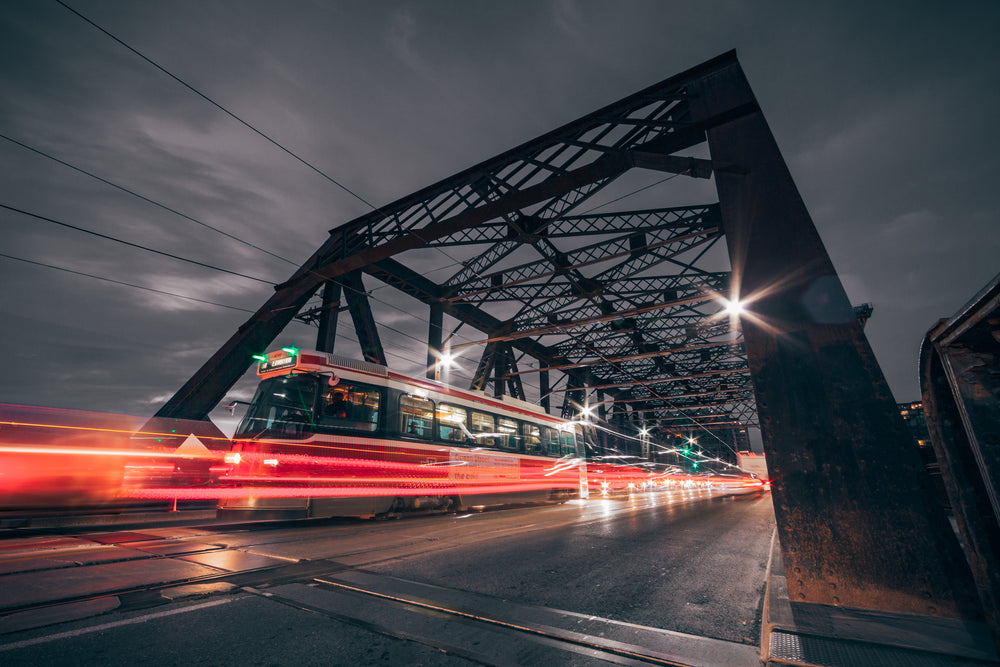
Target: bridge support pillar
{"type": "Point", "coordinates": [960, 380]}
{"type": "Point", "coordinates": [856, 516]}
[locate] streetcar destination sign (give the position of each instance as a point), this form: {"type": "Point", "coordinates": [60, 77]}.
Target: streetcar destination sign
{"type": "Point", "coordinates": [276, 364]}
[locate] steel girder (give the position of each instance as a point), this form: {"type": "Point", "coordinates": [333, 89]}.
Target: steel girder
{"type": "Point", "coordinates": [857, 523]}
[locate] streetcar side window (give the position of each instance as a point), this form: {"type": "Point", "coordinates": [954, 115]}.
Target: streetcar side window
{"type": "Point", "coordinates": [507, 428]}
{"type": "Point", "coordinates": [571, 444]}
{"type": "Point", "coordinates": [416, 416]}
{"type": "Point", "coordinates": [484, 429]}
{"type": "Point", "coordinates": [451, 423]}
{"type": "Point", "coordinates": [532, 439]}
{"type": "Point", "coordinates": [550, 439]}
{"type": "Point", "coordinates": [351, 406]}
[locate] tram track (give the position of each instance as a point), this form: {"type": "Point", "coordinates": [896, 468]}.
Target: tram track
{"type": "Point", "coordinates": [493, 631]}
{"type": "Point", "coordinates": [366, 576]}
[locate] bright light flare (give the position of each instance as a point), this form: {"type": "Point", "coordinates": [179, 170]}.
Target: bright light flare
{"type": "Point", "coordinates": [733, 308]}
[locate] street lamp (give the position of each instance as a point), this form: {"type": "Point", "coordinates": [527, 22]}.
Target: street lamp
{"type": "Point", "coordinates": [445, 360]}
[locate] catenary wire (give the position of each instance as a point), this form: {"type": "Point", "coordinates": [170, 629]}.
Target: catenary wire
{"type": "Point", "coordinates": [222, 108]}
{"type": "Point", "coordinates": [142, 197]}
{"type": "Point", "coordinates": [119, 282]}
{"type": "Point", "coordinates": [134, 245]}
{"type": "Point", "coordinates": [237, 118]}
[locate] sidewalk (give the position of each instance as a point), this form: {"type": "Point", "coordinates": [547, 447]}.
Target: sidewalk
{"type": "Point", "coordinates": [828, 636]}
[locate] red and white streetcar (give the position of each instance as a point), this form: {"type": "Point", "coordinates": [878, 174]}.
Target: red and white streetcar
{"type": "Point", "coordinates": [331, 436]}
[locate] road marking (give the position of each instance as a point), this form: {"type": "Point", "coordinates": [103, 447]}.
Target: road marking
{"type": "Point", "coordinates": [107, 626]}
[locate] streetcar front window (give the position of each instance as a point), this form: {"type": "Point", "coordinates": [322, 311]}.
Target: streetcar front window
{"type": "Point", "coordinates": [284, 407]}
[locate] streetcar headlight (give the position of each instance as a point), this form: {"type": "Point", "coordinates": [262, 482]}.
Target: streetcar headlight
{"type": "Point", "coordinates": [233, 458]}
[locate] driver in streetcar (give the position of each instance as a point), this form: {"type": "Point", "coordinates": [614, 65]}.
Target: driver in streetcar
{"type": "Point", "coordinates": [336, 406]}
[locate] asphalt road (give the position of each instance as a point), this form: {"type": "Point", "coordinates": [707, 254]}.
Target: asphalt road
{"type": "Point", "coordinates": [663, 578]}
{"type": "Point", "coordinates": [695, 567]}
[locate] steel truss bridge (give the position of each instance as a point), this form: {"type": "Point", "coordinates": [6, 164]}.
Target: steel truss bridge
{"type": "Point", "coordinates": [626, 309]}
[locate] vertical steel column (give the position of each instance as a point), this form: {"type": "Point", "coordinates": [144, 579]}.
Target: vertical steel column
{"type": "Point", "coordinates": [855, 512]}
{"type": "Point", "coordinates": [436, 323]}
{"type": "Point", "coordinates": [484, 368]}
{"type": "Point", "coordinates": [327, 336]}
{"type": "Point", "coordinates": [364, 321]}
{"type": "Point", "coordinates": [499, 368]}
{"type": "Point", "coordinates": [543, 389]}
{"type": "Point", "coordinates": [514, 384]}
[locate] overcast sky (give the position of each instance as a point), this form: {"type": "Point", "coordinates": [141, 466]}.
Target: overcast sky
{"type": "Point", "coordinates": [885, 113]}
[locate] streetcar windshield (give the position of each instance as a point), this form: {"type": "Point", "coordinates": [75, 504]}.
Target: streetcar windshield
{"type": "Point", "coordinates": [282, 408]}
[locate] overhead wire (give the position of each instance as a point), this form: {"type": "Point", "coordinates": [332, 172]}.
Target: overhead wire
{"type": "Point", "coordinates": [119, 282]}
{"type": "Point", "coordinates": [221, 108]}
{"type": "Point", "coordinates": [228, 113]}
{"type": "Point", "coordinates": [634, 192]}
{"type": "Point", "coordinates": [179, 296]}
{"type": "Point", "coordinates": [231, 114]}
{"type": "Point", "coordinates": [134, 245]}
{"type": "Point", "coordinates": [183, 215]}
{"type": "Point", "coordinates": [142, 197]}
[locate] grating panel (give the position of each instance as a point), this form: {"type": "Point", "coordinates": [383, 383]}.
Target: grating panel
{"type": "Point", "coordinates": [794, 648]}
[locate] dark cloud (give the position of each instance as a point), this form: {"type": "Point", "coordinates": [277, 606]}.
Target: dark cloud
{"type": "Point", "coordinates": [884, 113]}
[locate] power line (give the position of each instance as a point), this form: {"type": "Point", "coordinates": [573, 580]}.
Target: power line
{"type": "Point", "coordinates": [222, 108]}
{"type": "Point", "coordinates": [134, 245]}
{"type": "Point", "coordinates": [144, 198]}
{"type": "Point", "coordinates": [237, 118]}
{"type": "Point", "coordinates": [187, 217]}
{"type": "Point", "coordinates": [634, 192]}
{"type": "Point", "coordinates": [119, 282]}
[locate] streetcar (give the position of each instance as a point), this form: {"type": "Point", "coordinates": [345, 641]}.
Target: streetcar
{"type": "Point", "coordinates": [330, 436]}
